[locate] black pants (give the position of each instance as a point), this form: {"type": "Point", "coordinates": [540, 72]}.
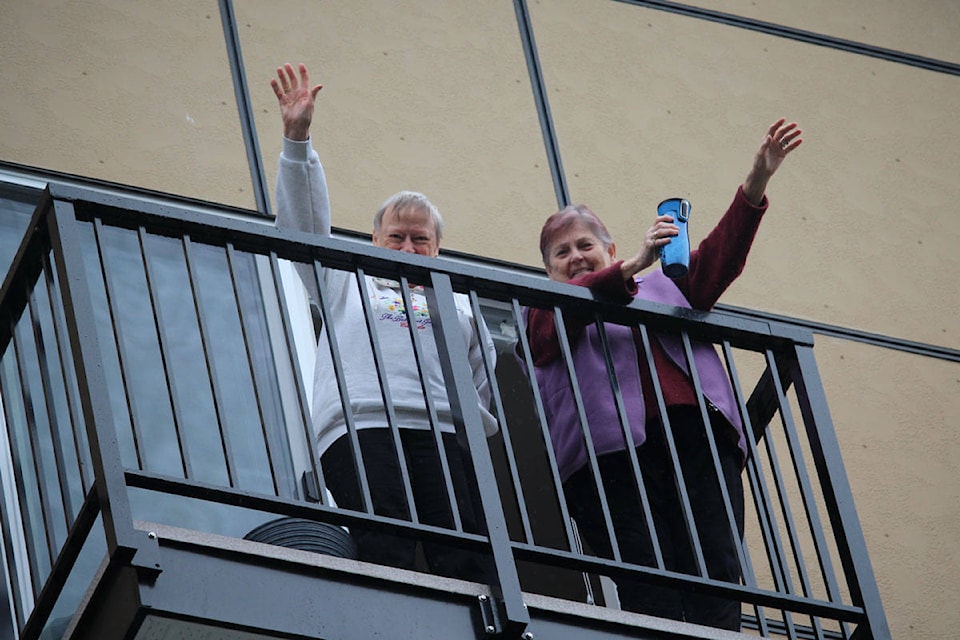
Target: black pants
{"type": "Point", "coordinates": [387, 492]}
{"type": "Point", "coordinates": [630, 526]}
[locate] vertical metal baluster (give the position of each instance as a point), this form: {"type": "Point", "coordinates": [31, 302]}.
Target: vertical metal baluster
{"type": "Point", "coordinates": [714, 453]}
{"type": "Point", "coordinates": [385, 394]}
{"type": "Point", "coordinates": [333, 344]}
{"type": "Point", "coordinates": [34, 444]}
{"type": "Point", "coordinates": [81, 447]}
{"type": "Point", "coordinates": [490, 369]}
{"type": "Point", "coordinates": [430, 403]}
{"type": "Point", "coordinates": [53, 424]}
{"type": "Point", "coordinates": [631, 447]}
{"type": "Point", "coordinates": [215, 385]}
{"type": "Point", "coordinates": [118, 341]}
{"type": "Point", "coordinates": [527, 359]}
{"type": "Point", "coordinates": [761, 494]}
{"type": "Point", "coordinates": [160, 328]}
{"type": "Point", "coordinates": [33, 545]}
{"type": "Point", "coordinates": [787, 513]}
{"type": "Point", "coordinates": [674, 457]}
{"type": "Point", "coordinates": [469, 423]}
{"type": "Point", "coordinates": [298, 378]}
{"type": "Point", "coordinates": [271, 454]}
{"type": "Point", "coordinates": [587, 436]}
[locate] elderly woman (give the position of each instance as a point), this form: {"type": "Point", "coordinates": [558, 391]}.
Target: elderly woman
{"type": "Point", "coordinates": [577, 249]}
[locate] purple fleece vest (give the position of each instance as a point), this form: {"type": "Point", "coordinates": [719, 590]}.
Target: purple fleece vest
{"type": "Point", "coordinates": [598, 398]}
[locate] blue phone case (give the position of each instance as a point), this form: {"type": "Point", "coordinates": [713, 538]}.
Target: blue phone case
{"type": "Point", "coordinates": [675, 255]}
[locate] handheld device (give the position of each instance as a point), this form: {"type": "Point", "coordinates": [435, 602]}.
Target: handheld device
{"type": "Point", "coordinates": [675, 255]}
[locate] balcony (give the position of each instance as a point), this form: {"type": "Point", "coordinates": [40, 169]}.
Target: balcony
{"type": "Point", "coordinates": [155, 373]}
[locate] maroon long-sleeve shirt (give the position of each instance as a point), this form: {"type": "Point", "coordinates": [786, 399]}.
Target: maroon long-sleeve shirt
{"type": "Point", "coordinates": [714, 265]}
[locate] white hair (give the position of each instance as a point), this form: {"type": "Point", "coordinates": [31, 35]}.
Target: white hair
{"type": "Point", "coordinates": [410, 200]}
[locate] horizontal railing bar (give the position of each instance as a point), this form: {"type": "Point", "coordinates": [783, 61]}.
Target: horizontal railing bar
{"type": "Point", "coordinates": [295, 508]}
{"type": "Point", "coordinates": [78, 188]}
{"type": "Point", "coordinates": [846, 333]}
{"type": "Point", "coordinates": [593, 564]}
{"type": "Point", "coordinates": [559, 558]}
{"type": "Point", "coordinates": [800, 631]}
{"type": "Point", "coordinates": [531, 290]}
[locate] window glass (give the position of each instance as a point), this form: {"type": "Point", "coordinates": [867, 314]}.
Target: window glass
{"type": "Point", "coordinates": [15, 212]}
{"type": "Point", "coordinates": [91, 556]}
{"type": "Point", "coordinates": [189, 365]}
{"type": "Point", "coordinates": [148, 295]}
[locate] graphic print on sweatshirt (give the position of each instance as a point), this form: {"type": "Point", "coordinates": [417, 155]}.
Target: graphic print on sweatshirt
{"type": "Point", "coordinates": [392, 310]}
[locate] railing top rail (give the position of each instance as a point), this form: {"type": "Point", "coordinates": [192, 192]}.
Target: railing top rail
{"type": "Point", "coordinates": [499, 284]}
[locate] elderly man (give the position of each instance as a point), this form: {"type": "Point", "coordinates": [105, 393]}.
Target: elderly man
{"type": "Point", "coordinates": [407, 222]}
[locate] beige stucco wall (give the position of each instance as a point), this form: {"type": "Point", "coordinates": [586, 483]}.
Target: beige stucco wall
{"type": "Point", "coordinates": [434, 95]}
{"type": "Point", "coordinates": [651, 104]}
{"type": "Point", "coordinates": [134, 93]}
{"type": "Point", "coordinates": [895, 417]}
{"type": "Point", "coordinates": [925, 28]}
{"type": "Point", "coordinates": [426, 96]}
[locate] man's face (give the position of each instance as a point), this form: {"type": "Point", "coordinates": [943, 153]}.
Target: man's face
{"type": "Point", "coordinates": [410, 230]}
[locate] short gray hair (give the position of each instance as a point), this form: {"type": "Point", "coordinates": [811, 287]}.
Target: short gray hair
{"type": "Point", "coordinates": [403, 200]}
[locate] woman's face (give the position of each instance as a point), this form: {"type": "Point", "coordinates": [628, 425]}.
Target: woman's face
{"type": "Point", "coordinates": [575, 251]}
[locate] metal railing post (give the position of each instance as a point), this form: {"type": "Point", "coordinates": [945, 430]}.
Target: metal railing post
{"type": "Point", "coordinates": [123, 542]}
{"type": "Point", "coordinates": [466, 417]}
{"type": "Point", "coordinates": [838, 495]}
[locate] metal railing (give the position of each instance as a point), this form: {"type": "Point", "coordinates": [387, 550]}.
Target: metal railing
{"type": "Point", "coordinates": [151, 370]}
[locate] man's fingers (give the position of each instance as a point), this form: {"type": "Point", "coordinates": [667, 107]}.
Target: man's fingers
{"type": "Point", "coordinates": [276, 88]}
{"type": "Point", "coordinates": [291, 76]}
{"type": "Point", "coordinates": [287, 83]}
{"type": "Point", "coordinates": [284, 83]}
{"type": "Point", "coordinates": [304, 76]}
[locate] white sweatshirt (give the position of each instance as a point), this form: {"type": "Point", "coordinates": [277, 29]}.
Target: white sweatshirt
{"type": "Point", "coordinates": [303, 204]}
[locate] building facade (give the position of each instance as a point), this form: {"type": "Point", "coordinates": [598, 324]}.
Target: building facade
{"type": "Point", "coordinates": [504, 111]}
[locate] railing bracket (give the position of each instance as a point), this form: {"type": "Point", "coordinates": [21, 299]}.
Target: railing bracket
{"type": "Point", "coordinates": [146, 558]}
{"type": "Point", "coordinates": [490, 617]}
